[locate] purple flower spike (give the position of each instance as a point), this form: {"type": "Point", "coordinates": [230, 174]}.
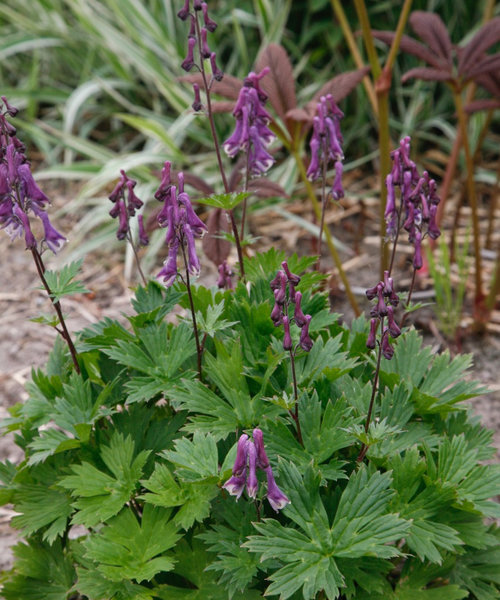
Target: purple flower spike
{"type": "Point", "coordinates": [184, 12]}
{"type": "Point", "coordinates": [305, 341]}
{"type": "Point", "coordinates": [143, 236]}
{"type": "Point", "coordinates": [25, 222]}
{"type": "Point", "coordinates": [54, 240]}
{"type": "Point", "coordinates": [235, 485]}
{"type": "Point", "coordinates": [205, 50]}
{"type": "Point", "coordinates": [287, 340]}
{"type": "Point", "coordinates": [275, 283]}
{"type": "Point", "coordinates": [295, 279]}
{"type": "Point", "coordinates": [188, 63]}
{"type": "Point", "coordinates": [387, 349]}
{"type": "Point", "coordinates": [252, 481]}
{"type": "Point", "coordinates": [209, 24]}
{"type": "Point", "coordinates": [197, 106]}
{"type": "Point", "coordinates": [371, 341]}
{"type": "Point", "coordinates": [240, 462]}
{"type": "Point", "coordinates": [262, 460]}
{"type": "Point", "coordinates": [298, 315]}
{"type": "Point", "coordinates": [276, 497]}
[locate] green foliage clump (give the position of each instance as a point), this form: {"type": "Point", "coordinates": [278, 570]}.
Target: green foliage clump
{"type": "Point", "coordinates": [119, 496]}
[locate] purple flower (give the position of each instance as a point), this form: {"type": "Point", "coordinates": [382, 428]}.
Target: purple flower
{"type": "Point", "coordinates": [235, 485]}
{"type": "Point", "coordinates": [295, 279]}
{"type": "Point", "coordinates": [25, 223]}
{"type": "Point", "coordinates": [298, 315]}
{"type": "Point", "coordinates": [393, 327]}
{"type": "Point", "coordinates": [305, 341]}
{"type": "Point", "coordinates": [31, 190]}
{"type": "Point", "coordinates": [276, 497]}
{"type": "Point", "coordinates": [371, 341]}
{"type": "Point", "coordinates": [387, 349]}
{"type": "Point", "coordinates": [251, 134]}
{"type": "Point", "coordinates": [184, 12]}
{"type": "Point", "coordinates": [54, 240]}
{"type": "Point", "coordinates": [225, 274]}
{"type": "Point", "coordinates": [168, 273]}
{"type": "Point", "coordinates": [262, 460]}
{"type": "Point", "coordinates": [197, 105]}
{"type": "Point", "coordinates": [188, 63]}
{"type": "Point", "coordinates": [252, 481]}
{"type": "Point", "coordinates": [287, 340]}
{"type": "Point", "coordinates": [217, 74]}
{"type": "Point", "coordinates": [240, 462]}
{"type": "Point", "coordinates": [209, 24]}
{"type": "Point", "coordinates": [143, 236]}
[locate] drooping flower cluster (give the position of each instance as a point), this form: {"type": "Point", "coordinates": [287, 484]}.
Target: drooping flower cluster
{"type": "Point", "coordinates": [283, 286]}
{"type": "Point", "coordinates": [326, 144]}
{"type": "Point", "coordinates": [198, 36]}
{"type": "Point", "coordinates": [20, 196]}
{"type": "Point", "coordinates": [183, 226]}
{"type": "Point", "coordinates": [387, 300]}
{"type": "Point", "coordinates": [418, 201]}
{"type": "Point", "coordinates": [126, 203]}
{"type": "Point", "coordinates": [252, 134]}
{"type": "Point", "coordinates": [250, 456]}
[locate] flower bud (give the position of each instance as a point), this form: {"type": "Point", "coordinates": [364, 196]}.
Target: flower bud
{"type": "Point", "coordinates": [287, 340]}
{"type": "Point", "coordinates": [371, 341]}
{"type": "Point", "coordinates": [305, 341]}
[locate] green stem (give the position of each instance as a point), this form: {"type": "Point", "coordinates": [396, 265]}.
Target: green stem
{"type": "Point", "coordinates": [193, 314]}
{"type": "Point", "coordinates": [331, 246]}
{"type": "Point", "coordinates": [471, 192]}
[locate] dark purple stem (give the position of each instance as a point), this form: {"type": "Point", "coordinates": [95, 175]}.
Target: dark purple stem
{"type": "Point", "coordinates": [191, 305]}
{"type": "Point", "coordinates": [40, 267]}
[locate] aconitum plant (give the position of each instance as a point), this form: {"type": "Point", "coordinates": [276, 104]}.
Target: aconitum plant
{"type": "Point", "coordinates": [373, 483]}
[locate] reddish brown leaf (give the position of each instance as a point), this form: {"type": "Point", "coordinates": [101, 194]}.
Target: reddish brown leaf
{"type": "Point", "coordinates": [427, 74]}
{"type": "Point", "coordinates": [410, 46]}
{"type": "Point", "coordinates": [279, 84]}
{"type": "Point", "coordinates": [229, 87]}
{"type": "Point", "coordinates": [198, 183]}
{"type": "Point", "coordinates": [214, 247]}
{"type": "Point", "coordinates": [486, 104]}
{"type": "Point", "coordinates": [300, 114]}
{"type": "Point", "coordinates": [489, 64]}
{"type": "Point", "coordinates": [224, 106]}
{"type": "Point", "coordinates": [431, 29]}
{"type": "Point", "coordinates": [490, 82]}
{"type": "Point", "coordinates": [340, 86]}
{"type": "Point", "coordinates": [488, 35]}
{"type": "Point", "coordinates": [264, 188]}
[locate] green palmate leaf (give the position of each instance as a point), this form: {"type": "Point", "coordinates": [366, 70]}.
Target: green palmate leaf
{"type": "Point", "coordinates": [224, 201]}
{"type": "Point", "coordinates": [128, 549]}
{"type": "Point", "coordinates": [95, 586]}
{"type": "Point", "coordinates": [193, 498]}
{"type": "Point", "coordinates": [61, 283]}
{"type": "Point", "coordinates": [99, 495]}
{"type": "Point", "coordinates": [196, 459]}
{"type": "Point", "coordinates": [192, 562]}
{"type": "Point", "coordinates": [153, 302]}
{"type": "Point", "coordinates": [104, 334]}
{"type": "Point", "coordinates": [424, 581]}
{"type": "Point", "coordinates": [159, 358]}
{"type": "Point", "coordinates": [218, 416]}
{"type": "Point", "coordinates": [41, 571]}
{"type": "Point", "coordinates": [212, 322]}
{"type": "Point", "coordinates": [323, 357]}
{"type": "Point", "coordinates": [41, 506]}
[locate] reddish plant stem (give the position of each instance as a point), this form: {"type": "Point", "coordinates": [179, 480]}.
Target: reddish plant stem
{"type": "Point", "coordinates": [193, 315]}
{"type": "Point", "coordinates": [218, 152]}
{"type": "Point", "coordinates": [295, 413]}
{"type": "Point", "coordinates": [40, 267]}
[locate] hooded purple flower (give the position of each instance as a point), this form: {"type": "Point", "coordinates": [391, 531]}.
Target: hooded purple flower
{"type": "Point", "coordinates": [277, 499]}
{"type": "Point", "coordinates": [183, 226]}
{"type": "Point", "coordinates": [251, 134]}
{"type": "Point", "coordinates": [326, 143]}
{"type": "Point", "coordinates": [20, 196]}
